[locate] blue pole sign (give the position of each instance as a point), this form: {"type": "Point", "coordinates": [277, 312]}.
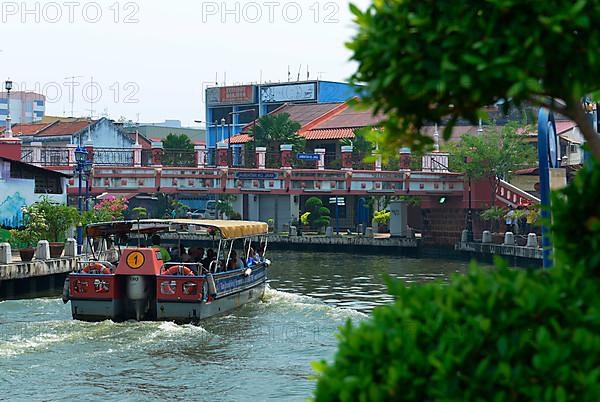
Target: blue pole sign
{"type": "Point", "coordinates": [548, 157]}
{"type": "Point", "coordinates": [308, 157]}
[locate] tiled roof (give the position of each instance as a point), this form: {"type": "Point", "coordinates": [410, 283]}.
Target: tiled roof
{"type": "Point", "coordinates": [62, 128]}
{"type": "Point", "coordinates": [306, 113]}
{"type": "Point", "coordinates": [240, 139]}
{"type": "Point", "coordinates": [329, 134]}
{"type": "Point", "coordinates": [28, 129]}
{"type": "Point", "coordinates": [351, 118]}
{"type": "Point", "coordinates": [564, 125]}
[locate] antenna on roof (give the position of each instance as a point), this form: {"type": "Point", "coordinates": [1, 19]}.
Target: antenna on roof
{"type": "Point", "coordinates": [289, 74]}
{"type": "Point", "coordinates": [72, 95]}
{"type": "Point", "coordinates": [299, 69]}
{"type": "Point", "coordinates": [224, 78]}
{"type": "Point", "coordinates": [307, 73]}
{"type": "Point", "coordinates": [217, 79]}
{"type": "Point", "coordinates": [260, 81]}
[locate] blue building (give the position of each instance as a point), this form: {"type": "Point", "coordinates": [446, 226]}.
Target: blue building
{"type": "Point", "coordinates": [229, 109]}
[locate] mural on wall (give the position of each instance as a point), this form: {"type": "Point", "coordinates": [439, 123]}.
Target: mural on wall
{"type": "Point", "coordinates": [16, 194]}
{"type": "Point", "coordinates": [10, 210]}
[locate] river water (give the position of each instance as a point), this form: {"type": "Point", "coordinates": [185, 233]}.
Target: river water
{"type": "Point", "coordinates": [261, 351]}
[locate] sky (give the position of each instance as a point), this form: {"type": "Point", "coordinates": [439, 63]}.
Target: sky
{"type": "Point", "coordinates": [150, 61]}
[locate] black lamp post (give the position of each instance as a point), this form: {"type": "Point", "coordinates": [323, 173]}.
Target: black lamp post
{"type": "Point", "coordinates": [470, 210]}
{"type": "Point", "coordinates": [80, 159]}
{"type": "Point", "coordinates": [87, 170]}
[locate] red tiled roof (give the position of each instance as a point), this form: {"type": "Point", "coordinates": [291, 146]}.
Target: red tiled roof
{"type": "Point", "coordinates": [351, 118]}
{"type": "Point", "coordinates": [329, 134]}
{"type": "Point", "coordinates": [64, 128]}
{"type": "Point", "coordinates": [28, 129]}
{"type": "Point", "coordinates": [564, 125]}
{"type": "Point", "coordinates": [240, 139]}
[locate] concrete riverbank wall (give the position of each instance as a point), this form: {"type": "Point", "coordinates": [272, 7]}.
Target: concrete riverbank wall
{"type": "Point", "coordinates": [42, 276]}
{"type": "Point", "coordinates": [34, 279]}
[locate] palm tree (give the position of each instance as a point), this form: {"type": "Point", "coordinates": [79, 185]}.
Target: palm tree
{"type": "Point", "coordinates": [271, 131]}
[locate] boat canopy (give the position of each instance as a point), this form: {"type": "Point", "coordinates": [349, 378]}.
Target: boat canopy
{"type": "Point", "coordinates": [227, 229]}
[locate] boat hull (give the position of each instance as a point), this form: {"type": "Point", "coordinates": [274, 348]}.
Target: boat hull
{"type": "Point", "coordinates": [162, 298]}
{"type": "Point", "coordinates": [191, 312]}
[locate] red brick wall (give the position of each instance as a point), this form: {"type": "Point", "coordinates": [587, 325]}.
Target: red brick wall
{"type": "Point", "coordinates": [442, 226]}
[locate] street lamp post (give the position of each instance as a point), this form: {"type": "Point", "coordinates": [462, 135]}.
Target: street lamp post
{"type": "Point", "coordinates": [80, 159]}
{"type": "Point", "coordinates": [87, 170]}
{"type": "Point", "coordinates": [8, 85]}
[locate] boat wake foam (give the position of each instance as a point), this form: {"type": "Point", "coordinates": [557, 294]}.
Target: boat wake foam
{"type": "Point", "coordinates": [279, 298]}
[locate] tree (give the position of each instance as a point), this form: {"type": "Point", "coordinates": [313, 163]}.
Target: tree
{"type": "Point", "coordinates": [492, 155]}
{"type": "Point", "coordinates": [423, 61]}
{"type": "Point", "coordinates": [274, 130]}
{"type": "Point", "coordinates": [178, 151]}
{"type": "Point", "coordinates": [319, 215]}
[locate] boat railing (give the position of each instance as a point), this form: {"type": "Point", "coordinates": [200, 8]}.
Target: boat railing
{"type": "Point", "coordinates": [90, 266]}
{"type": "Point", "coordinates": [197, 268]}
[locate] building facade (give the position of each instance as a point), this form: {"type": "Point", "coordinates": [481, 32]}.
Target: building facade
{"type": "Point", "coordinates": [25, 107]}
{"type": "Point", "coordinates": [229, 109]}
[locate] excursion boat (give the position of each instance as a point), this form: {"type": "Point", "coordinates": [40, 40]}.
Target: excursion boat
{"type": "Point", "coordinates": [119, 282]}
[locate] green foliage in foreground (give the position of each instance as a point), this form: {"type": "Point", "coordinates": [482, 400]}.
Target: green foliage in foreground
{"type": "Point", "coordinates": [502, 335]}
{"type": "Point", "coordinates": [426, 61]}
{"type": "Point", "coordinates": [490, 335]}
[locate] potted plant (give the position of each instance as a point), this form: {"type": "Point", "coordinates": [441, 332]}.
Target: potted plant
{"type": "Point", "coordinates": [58, 218]}
{"type": "Point", "coordinates": [383, 219]}
{"type": "Point", "coordinates": [31, 233]}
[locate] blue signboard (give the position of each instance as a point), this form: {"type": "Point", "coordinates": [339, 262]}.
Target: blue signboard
{"type": "Point", "coordinates": [308, 157]}
{"type": "Point", "coordinates": [255, 175]}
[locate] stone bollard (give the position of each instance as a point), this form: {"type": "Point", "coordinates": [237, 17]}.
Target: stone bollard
{"type": "Point", "coordinates": [532, 240]}
{"type": "Point", "coordinates": [509, 239]}
{"type": "Point", "coordinates": [369, 232]}
{"type": "Point", "coordinates": [329, 231]}
{"type": "Point", "coordinates": [5, 254]}
{"type": "Point", "coordinates": [293, 231]}
{"type": "Point", "coordinates": [361, 229]}
{"type": "Point", "coordinates": [464, 236]}
{"type": "Point", "coordinates": [43, 250]}
{"type": "Point", "coordinates": [487, 237]}
{"type": "Point", "coordinates": [71, 248]}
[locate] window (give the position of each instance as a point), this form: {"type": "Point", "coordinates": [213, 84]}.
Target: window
{"type": "Point", "coordinates": [573, 148]}
{"type": "Point", "coordinates": [39, 103]}
{"type": "Point", "coordinates": [3, 112]}
{"type": "Point", "coordinates": [48, 184]}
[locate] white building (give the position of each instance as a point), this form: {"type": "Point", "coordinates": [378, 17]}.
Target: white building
{"type": "Point", "coordinates": [25, 107]}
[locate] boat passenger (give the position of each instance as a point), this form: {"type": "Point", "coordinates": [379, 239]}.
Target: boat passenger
{"type": "Point", "coordinates": [235, 262]}
{"type": "Point", "coordinates": [196, 254]}
{"type": "Point", "coordinates": [210, 257]}
{"type": "Point", "coordinates": [251, 258]}
{"type": "Point", "coordinates": [164, 254]}
{"type": "Point", "coordinates": [183, 255]}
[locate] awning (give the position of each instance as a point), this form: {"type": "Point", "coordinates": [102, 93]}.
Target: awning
{"type": "Point", "coordinates": [227, 229]}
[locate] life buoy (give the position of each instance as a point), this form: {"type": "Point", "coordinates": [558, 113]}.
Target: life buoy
{"type": "Point", "coordinates": [96, 268]}
{"type": "Point", "coordinates": [180, 270]}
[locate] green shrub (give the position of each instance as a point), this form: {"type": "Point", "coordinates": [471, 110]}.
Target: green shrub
{"type": "Point", "coordinates": [490, 335]}
{"type": "Point", "coordinates": [319, 215]}
{"type": "Point", "coordinates": [503, 335]}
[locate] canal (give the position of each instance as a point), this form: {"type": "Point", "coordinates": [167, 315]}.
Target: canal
{"type": "Point", "coordinates": [261, 351]}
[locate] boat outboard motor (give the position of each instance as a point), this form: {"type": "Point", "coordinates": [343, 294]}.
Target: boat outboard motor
{"type": "Point", "coordinates": [137, 292]}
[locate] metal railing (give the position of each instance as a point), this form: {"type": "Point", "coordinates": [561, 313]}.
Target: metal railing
{"type": "Point", "coordinates": [113, 157]}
